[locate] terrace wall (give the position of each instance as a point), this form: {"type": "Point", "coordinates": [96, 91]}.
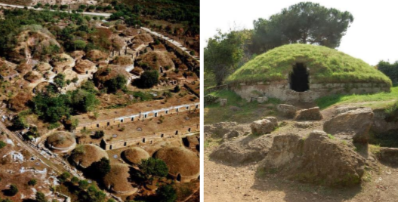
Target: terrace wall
{"type": "Point", "coordinates": [282, 91]}
{"type": "Point", "coordinates": [139, 116]}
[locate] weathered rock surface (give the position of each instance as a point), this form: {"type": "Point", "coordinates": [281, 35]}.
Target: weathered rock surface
{"type": "Point", "coordinates": [218, 130]}
{"type": "Point", "coordinates": [222, 102]}
{"type": "Point", "coordinates": [354, 124]}
{"type": "Point", "coordinates": [262, 99]}
{"type": "Point", "coordinates": [388, 155]}
{"type": "Point", "coordinates": [264, 126]}
{"type": "Point", "coordinates": [287, 110]}
{"type": "Point", "coordinates": [315, 159]}
{"type": "Point", "coordinates": [243, 150]}
{"type": "Point", "coordinates": [309, 114]}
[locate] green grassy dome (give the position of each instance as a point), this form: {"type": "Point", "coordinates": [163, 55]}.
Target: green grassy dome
{"type": "Point", "coordinates": [325, 65]}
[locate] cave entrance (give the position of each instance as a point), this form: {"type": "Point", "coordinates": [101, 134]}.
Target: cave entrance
{"type": "Point", "coordinates": [299, 78]}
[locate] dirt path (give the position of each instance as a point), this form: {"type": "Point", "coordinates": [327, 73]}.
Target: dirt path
{"type": "Point", "coordinates": [228, 183]}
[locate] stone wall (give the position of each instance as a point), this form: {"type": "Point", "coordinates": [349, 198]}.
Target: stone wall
{"type": "Point", "coordinates": [139, 116]}
{"type": "Point", "coordinates": [180, 131]}
{"type": "Point", "coordinates": [282, 91]}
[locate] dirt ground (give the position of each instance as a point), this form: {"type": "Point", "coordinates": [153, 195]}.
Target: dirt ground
{"type": "Point", "coordinates": [228, 183]}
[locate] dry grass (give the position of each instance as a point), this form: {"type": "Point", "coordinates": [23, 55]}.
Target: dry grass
{"type": "Point", "coordinates": [179, 160]}
{"type": "Point", "coordinates": [85, 155]}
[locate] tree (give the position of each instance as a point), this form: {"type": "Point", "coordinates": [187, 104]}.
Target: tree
{"type": "Point", "coordinates": [79, 44]}
{"type": "Point", "coordinates": [60, 80]}
{"type": "Point", "coordinates": [2, 144]}
{"type": "Point", "coordinates": [83, 101]}
{"type": "Point", "coordinates": [222, 54]}
{"type": "Point", "coordinates": [18, 123]}
{"type": "Point", "coordinates": [148, 79]}
{"type": "Point", "coordinates": [391, 70]}
{"type": "Point", "coordinates": [13, 190]}
{"type": "Point", "coordinates": [305, 22]}
{"type": "Point", "coordinates": [83, 184]}
{"type": "Point", "coordinates": [32, 182]}
{"type": "Point", "coordinates": [116, 83]}
{"type": "Point", "coordinates": [153, 166]}
{"type": "Point", "coordinates": [64, 176]}
{"type": "Point", "coordinates": [100, 168]}
{"type": "Point", "coordinates": [166, 193]}
{"type": "Point", "coordinates": [177, 89]}
{"type": "Point", "coordinates": [40, 197]}
{"type": "Point", "coordinates": [98, 134]}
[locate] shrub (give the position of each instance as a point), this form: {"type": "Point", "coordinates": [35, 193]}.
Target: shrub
{"type": "Point", "coordinates": [166, 193]}
{"type": "Point", "coordinates": [148, 79]}
{"type": "Point", "coordinates": [13, 190]}
{"type": "Point", "coordinates": [98, 134]}
{"type": "Point", "coordinates": [32, 182]}
{"type": "Point", "coordinates": [210, 99]}
{"type": "Point", "coordinates": [2, 144]}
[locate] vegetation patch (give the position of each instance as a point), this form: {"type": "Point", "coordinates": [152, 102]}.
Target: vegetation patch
{"type": "Point", "coordinates": [325, 65]}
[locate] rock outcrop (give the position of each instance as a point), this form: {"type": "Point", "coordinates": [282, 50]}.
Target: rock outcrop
{"type": "Point", "coordinates": [288, 111]}
{"type": "Point", "coordinates": [316, 159]}
{"type": "Point", "coordinates": [354, 124]}
{"type": "Point", "coordinates": [309, 114]}
{"type": "Point", "coordinates": [219, 130]}
{"type": "Point", "coordinates": [264, 126]}
{"type": "Point", "coordinates": [243, 150]}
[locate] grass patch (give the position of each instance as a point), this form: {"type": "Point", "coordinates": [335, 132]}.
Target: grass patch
{"type": "Point", "coordinates": [330, 136]}
{"type": "Point", "coordinates": [237, 109]}
{"type": "Point", "coordinates": [388, 139]}
{"type": "Point", "coordinates": [387, 100]}
{"type": "Point", "coordinates": [326, 66]}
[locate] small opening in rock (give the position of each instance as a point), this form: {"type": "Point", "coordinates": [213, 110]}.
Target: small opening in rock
{"type": "Point", "coordinates": [299, 78]}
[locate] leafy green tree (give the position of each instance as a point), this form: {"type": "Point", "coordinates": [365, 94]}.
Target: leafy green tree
{"type": "Point", "coordinates": [2, 144]}
{"type": "Point", "coordinates": [305, 22]}
{"type": "Point", "coordinates": [100, 168]}
{"type": "Point", "coordinates": [52, 109]}
{"type": "Point", "coordinates": [98, 134]}
{"type": "Point", "coordinates": [79, 44]}
{"type": "Point", "coordinates": [391, 70]}
{"type": "Point", "coordinates": [60, 80]}
{"type": "Point", "coordinates": [18, 123]}
{"type": "Point", "coordinates": [83, 184]}
{"type": "Point", "coordinates": [148, 79]}
{"type": "Point", "coordinates": [166, 193]}
{"type": "Point", "coordinates": [74, 180]}
{"type": "Point", "coordinates": [32, 182]}
{"type": "Point", "coordinates": [40, 197]}
{"type": "Point", "coordinates": [222, 54]}
{"type": "Point", "coordinates": [153, 166]}
{"type": "Point", "coordinates": [116, 83]}
{"type": "Point", "coordinates": [83, 101]}
{"type": "Point", "coordinates": [92, 195]}
{"type": "Point", "coordinates": [13, 190]}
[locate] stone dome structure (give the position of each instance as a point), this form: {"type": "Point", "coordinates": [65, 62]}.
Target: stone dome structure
{"type": "Point", "coordinates": [183, 163]}
{"type": "Point", "coordinates": [85, 155]}
{"type": "Point", "coordinates": [117, 180]}
{"type": "Point", "coordinates": [303, 72]}
{"type": "Point", "coordinates": [135, 155]}
{"type": "Point", "coordinates": [61, 142]}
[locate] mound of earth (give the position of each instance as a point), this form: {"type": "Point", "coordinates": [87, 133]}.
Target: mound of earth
{"type": "Point", "coordinates": [61, 62]}
{"type": "Point", "coordinates": [83, 66]}
{"type": "Point", "coordinates": [117, 180]}
{"type": "Point", "coordinates": [33, 76]}
{"type": "Point", "coordinates": [144, 37]}
{"type": "Point", "coordinates": [156, 59]}
{"type": "Point", "coordinates": [315, 159]}
{"type": "Point", "coordinates": [123, 60]}
{"type": "Point", "coordinates": [85, 155]}
{"type": "Point", "coordinates": [78, 54]}
{"type": "Point", "coordinates": [110, 72]}
{"type": "Point", "coordinates": [325, 65]}
{"type": "Point", "coordinates": [181, 162]}
{"type": "Point", "coordinates": [117, 42]}
{"type": "Point", "coordinates": [243, 150]}
{"type": "Point", "coordinates": [18, 102]}
{"type": "Point", "coordinates": [130, 31]}
{"type": "Point", "coordinates": [96, 55]}
{"type": "Point", "coordinates": [33, 43]}
{"type": "Point", "coordinates": [24, 68]}
{"type": "Point", "coordinates": [61, 141]}
{"type": "Point", "coordinates": [42, 87]}
{"type": "Point", "coordinates": [43, 67]}
{"type": "Point", "coordinates": [135, 155]}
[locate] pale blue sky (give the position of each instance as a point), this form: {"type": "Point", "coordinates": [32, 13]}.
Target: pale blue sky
{"type": "Point", "coordinates": [373, 36]}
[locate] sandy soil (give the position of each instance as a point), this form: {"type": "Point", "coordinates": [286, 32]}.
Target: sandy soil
{"type": "Point", "coordinates": [227, 183]}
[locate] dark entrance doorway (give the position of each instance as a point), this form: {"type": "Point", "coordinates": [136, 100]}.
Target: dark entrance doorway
{"type": "Point", "coordinates": [299, 78]}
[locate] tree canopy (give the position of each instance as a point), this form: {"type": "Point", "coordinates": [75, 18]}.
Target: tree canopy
{"type": "Point", "coordinates": [222, 54]}
{"type": "Point", "coordinates": [305, 22]}
{"type": "Point", "coordinates": [391, 70]}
